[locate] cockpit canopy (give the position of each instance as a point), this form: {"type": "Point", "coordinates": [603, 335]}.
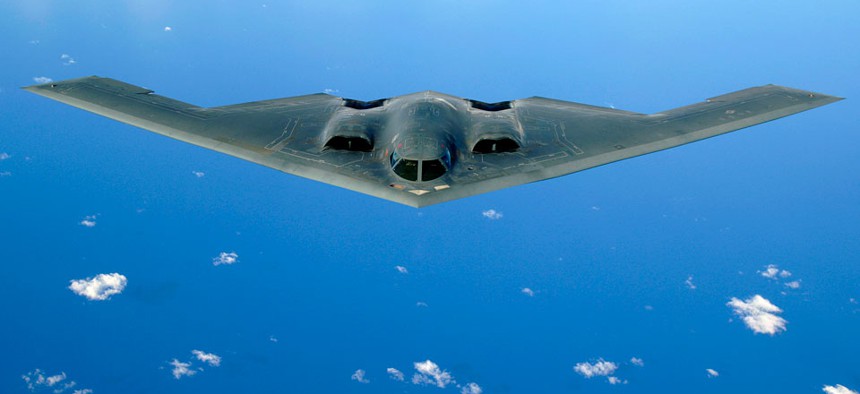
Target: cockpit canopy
{"type": "Point", "coordinates": [420, 170]}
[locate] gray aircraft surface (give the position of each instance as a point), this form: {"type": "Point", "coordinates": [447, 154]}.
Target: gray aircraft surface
{"type": "Point", "coordinates": [426, 148]}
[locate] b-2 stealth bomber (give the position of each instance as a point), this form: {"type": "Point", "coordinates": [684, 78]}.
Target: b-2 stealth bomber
{"type": "Point", "coordinates": [426, 148]}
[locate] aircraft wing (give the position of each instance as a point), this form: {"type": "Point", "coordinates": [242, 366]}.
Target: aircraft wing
{"type": "Point", "coordinates": [558, 137]}
{"type": "Point", "coordinates": [564, 137]}
{"type": "Point", "coordinates": [284, 134]}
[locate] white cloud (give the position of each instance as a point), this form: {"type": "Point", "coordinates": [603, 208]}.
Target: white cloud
{"type": "Point", "coordinates": [759, 314]}
{"type": "Point", "coordinates": [615, 380]}
{"type": "Point", "coordinates": [89, 221]}
{"type": "Point", "coordinates": [430, 373]}
{"type": "Point", "coordinates": [528, 292]}
{"type": "Point", "coordinates": [168, 28]}
{"type": "Point", "coordinates": [492, 214]}
{"type": "Point", "coordinates": [358, 376]}
{"type": "Point", "coordinates": [38, 380]}
{"type": "Point", "coordinates": [181, 369]}
{"type": "Point", "coordinates": [401, 269]}
{"type": "Point", "coordinates": [689, 283]}
{"type": "Point", "coordinates": [395, 374]}
{"type": "Point", "coordinates": [471, 388]}
{"type": "Point", "coordinates": [273, 339]}
{"type": "Point", "coordinates": [838, 389]}
{"type": "Point", "coordinates": [421, 304]}
{"type": "Point", "coordinates": [599, 368]}
{"type": "Point", "coordinates": [67, 59]}
{"type": "Point", "coordinates": [226, 258]}
{"type": "Point", "coordinates": [99, 288]}
{"type": "Point", "coordinates": [5, 173]}
{"type": "Point", "coordinates": [793, 284]}
{"type": "Point", "coordinates": [209, 358]}
{"type": "Point", "coordinates": [42, 80]}
{"type": "Point", "coordinates": [199, 174]}
{"type": "Point", "coordinates": [52, 380]}
{"type": "Point", "coordinates": [4, 156]}
{"type": "Point", "coordinates": [771, 271]}
{"type": "Point", "coordinates": [637, 362]}
{"type": "Point", "coordinates": [712, 373]}
{"type": "Point", "coordinates": [83, 391]}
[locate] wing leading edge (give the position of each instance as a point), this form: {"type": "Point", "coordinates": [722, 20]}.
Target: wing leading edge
{"type": "Point", "coordinates": [261, 132]}
{"type": "Point", "coordinates": [577, 137]}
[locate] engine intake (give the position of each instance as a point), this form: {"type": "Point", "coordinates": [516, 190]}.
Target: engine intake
{"type": "Point", "coordinates": [349, 143]}
{"type": "Point", "coordinates": [496, 145]}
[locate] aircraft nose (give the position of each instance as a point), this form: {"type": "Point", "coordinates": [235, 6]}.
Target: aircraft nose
{"type": "Point", "coordinates": [420, 148]}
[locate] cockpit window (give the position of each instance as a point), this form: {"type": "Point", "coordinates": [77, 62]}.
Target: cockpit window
{"type": "Point", "coordinates": [432, 169]}
{"type": "Point", "coordinates": [406, 169]}
{"type": "Point", "coordinates": [428, 169]}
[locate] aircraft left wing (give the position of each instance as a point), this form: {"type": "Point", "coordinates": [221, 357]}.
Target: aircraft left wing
{"type": "Point", "coordinates": [565, 137]}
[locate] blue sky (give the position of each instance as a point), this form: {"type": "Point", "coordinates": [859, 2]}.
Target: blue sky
{"type": "Point", "coordinates": [608, 255]}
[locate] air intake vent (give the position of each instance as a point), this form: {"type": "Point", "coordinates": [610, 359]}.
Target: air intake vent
{"type": "Point", "coordinates": [492, 107]}
{"type": "Point", "coordinates": [500, 145]}
{"type": "Point", "coordinates": [358, 104]}
{"type": "Point", "coordinates": [354, 144]}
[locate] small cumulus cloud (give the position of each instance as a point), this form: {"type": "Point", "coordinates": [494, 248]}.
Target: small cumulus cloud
{"type": "Point", "coordinates": [37, 380]}
{"type": "Point", "coordinates": [771, 271]}
{"type": "Point", "coordinates": [793, 284]}
{"type": "Point", "coordinates": [99, 288]}
{"type": "Point", "coordinates": [838, 389]}
{"type": "Point", "coordinates": [759, 314]}
{"type": "Point", "coordinates": [225, 258]}
{"type": "Point", "coordinates": [212, 359]}
{"type": "Point", "coordinates": [89, 221]}
{"type": "Point", "coordinates": [712, 373]}
{"type": "Point", "coordinates": [67, 59]}
{"type": "Point", "coordinates": [273, 339]}
{"type": "Point", "coordinates": [395, 374]}
{"type": "Point", "coordinates": [471, 388]}
{"type": "Point", "coordinates": [5, 156]}
{"type": "Point", "coordinates": [599, 368]}
{"type": "Point", "coordinates": [181, 369]}
{"type": "Point", "coordinates": [199, 174]}
{"type": "Point", "coordinates": [428, 372]}
{"type": "Point", "coordinates": [615, 380]}
{"type": "Point", "coordinates": [421, 304]}
{"type": "Point", "coordinates": [358, 376]}
{"type": "Point", "coordinates": [527, 291]}
{"type": "Point", "coordinates": [401, 269]}
{"type": "Point", "coordinates": [42, 80]}
{"type": "Point", "coordinates": [168, 28]}
{"type": "Point", "coordinates": [689, 283]}
{"type": "Point", "coordinates": [492, 214]}
{"type": "Point", "coordinates": [637, 361]}
{"type": "Point", "coordinates": [5, 173]}
{"type": "Point", "coordinates": [330, 91]}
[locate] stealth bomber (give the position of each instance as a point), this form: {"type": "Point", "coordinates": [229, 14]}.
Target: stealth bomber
{"type": "Point", "coordinates": [426, 148]}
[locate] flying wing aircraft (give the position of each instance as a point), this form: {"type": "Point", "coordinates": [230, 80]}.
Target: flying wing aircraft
{"type": "Point", "coordinates": [426, 148]}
